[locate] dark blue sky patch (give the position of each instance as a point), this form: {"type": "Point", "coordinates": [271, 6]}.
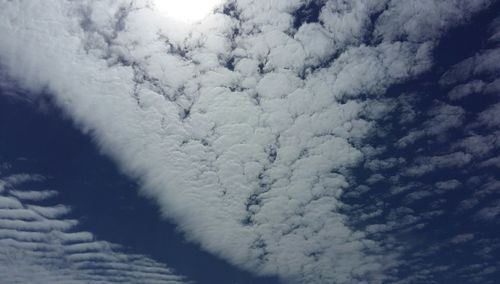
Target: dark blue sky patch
{"type": "Point", "coordinates": [308, 13]}
{"type": "Point", "coordinates": [467, 39]}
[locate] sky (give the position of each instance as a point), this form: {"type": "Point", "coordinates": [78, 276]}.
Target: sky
{"type": "Point", "coordinates": [286, 141]}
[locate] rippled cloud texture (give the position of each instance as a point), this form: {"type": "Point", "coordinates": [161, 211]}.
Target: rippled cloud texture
{"type": "Point", "coordinates": [249, 128]}
{"type": "Point", "coordinates": [38, 244]}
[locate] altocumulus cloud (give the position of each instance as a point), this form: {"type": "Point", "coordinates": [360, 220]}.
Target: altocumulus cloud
{"type": "Point", "coordinates": [245, 128]}
{"type": "Point", "coordinates": [39, 244]}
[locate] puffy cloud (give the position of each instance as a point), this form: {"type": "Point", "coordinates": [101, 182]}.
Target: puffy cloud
{"type": "Point", "coordinates": [243, 128]}
{"type": "Point", "coordinates": [450, 150]}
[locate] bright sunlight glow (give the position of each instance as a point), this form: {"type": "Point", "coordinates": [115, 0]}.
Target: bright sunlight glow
{"type": "Point", "coordinates": [187, 11]}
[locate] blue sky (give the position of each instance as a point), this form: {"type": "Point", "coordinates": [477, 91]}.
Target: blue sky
{"type": "Point", "coordinates": [285, 142]}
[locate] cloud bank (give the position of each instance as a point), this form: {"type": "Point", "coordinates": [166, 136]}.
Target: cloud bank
{"type": "Point", "coordinates": [246, 128]}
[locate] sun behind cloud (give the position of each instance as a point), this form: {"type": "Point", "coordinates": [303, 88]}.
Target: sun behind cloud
{"type": "Point", "coordinates": [187, 11]}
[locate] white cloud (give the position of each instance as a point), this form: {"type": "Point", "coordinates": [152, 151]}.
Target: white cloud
{"type": "Point", "coordinates": [418, 20]}
{"type": "Point", "coordinates": [463, 90]}
{"type": "Point", "coordinates": [462, 238]}
{"type": "Point", "coordinates": [424, 165]}
{"type": "Point", "coordinates": [440, 119]}
{"type": "Point", "coordinates": [38, 243]}
{"type": "Point", "coordinates": [33, 195]}
{"type": "Point", "coordinates": [481, 64]}
{"type": "Point", "coordinates": [448, 184]}
{"type": "Point", "coordinates": [490, 213]}
{"type": "Point", "coordinates": [250, 163]}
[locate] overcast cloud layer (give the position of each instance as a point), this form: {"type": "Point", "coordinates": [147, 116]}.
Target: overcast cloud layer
{"type": "Point", "coordinates": [248, 127]}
